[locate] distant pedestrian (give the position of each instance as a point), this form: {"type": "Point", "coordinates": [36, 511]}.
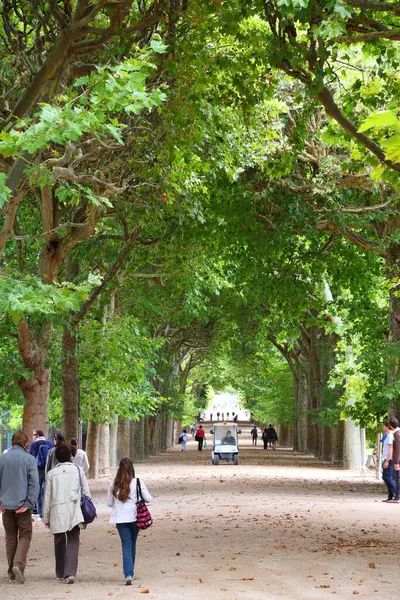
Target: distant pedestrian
{"type": "Point", "coordinates": [19, 488]}
{"type": "Point", "coordinates": [264, 438]}
{"type": "Point", "coordinates": [62, 511]}
{"type": "Point", "coordinates": [272, 437]}
{"type": "Point", "coordinates": [254, 435]}
{"type": "Point", "coordinates": [40, 449]}
{"type": "Point", "coordinates": [193, 430]}
{"type": "Point", "coordinates": [387, 464]}
{"type": "Point", "coordinates": [200, 436]}
{"type": "Point", "coordinates": [394, 423]}
{"type": "Point", "coordinates": [183, 440]}
{"type": "Point", "coordinates": [79, 456]}
{"type": "Point", "coordinates": [122, 497]}
{"type": "Point", "coordinates": [51, 461]}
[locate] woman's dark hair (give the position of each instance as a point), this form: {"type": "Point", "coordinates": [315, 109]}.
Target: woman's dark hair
{"type": "Point", "coordinates": [62, 453]}
{"type": "Point", "coordinates": [121, 486]}
{"type": "Point", "coordinates": [58, 438]}
{"type": "Point", "coordinates": [73, 446]}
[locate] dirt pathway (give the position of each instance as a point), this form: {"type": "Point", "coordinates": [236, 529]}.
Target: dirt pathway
{"type": "Point", "coordinates": [277, 526]}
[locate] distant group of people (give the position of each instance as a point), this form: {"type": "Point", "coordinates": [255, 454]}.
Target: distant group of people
{"type": "Point", "coordinates": [268, 436]}
{"type": "Point", "coordinates": [52, 478]}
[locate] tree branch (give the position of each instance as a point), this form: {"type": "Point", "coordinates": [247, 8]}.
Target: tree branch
{"type": "Point", "coordinates": [391, 34]}
{"type": "Point", "coordinates": [377, 6]}
{"type": "Point", "coordinates": [113, 270]}
{"type": "Point", "coordinates": [327, 100]}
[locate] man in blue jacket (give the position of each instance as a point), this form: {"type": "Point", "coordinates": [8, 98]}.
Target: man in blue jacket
{"type": "Point", "coordinates": [19, 487]}
{"type": "Point", "coordinates": [39, 449]}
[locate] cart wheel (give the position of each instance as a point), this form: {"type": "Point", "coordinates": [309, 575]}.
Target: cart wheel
{"type": "Point", "coordinates": [216, 460]}
{"type": "Point", "coordinates": [236, 459]}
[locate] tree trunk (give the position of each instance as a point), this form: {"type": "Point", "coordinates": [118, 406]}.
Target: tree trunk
{"type": "Point", "coordinates": [338, 444]}
{"type": "Point", "coordinates": [113, 444]}
{"type": "Point", "coordinates": [283, 435]}
{"type": "Point", "coordinates": [70, 382]}
{"type": "Point", "coordinates": [124, 439]}
{"type": "Point", "coordinates": [92, 448]}
{"type": "Point", "coordinates": [138, 439]}
{"type": "Point", "coordinates": [393, 270]}
{"type": "Point", "coordinates": [170, 432]}
{"type": "Point", "coordinates": [327, 449]}
{"type": "Point", "coordinates": [104, 450]}
{"type": "Point", "coordinates": [291, 437]}
{"type": "Point", "coordinates": [36, 391]}
{"type": "Point", "coordinates": [302, 420]}
{"type": "Point", "coordinates": [33, 347]}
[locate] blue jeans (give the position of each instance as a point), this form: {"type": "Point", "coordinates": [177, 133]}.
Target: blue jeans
{"type": "Point", "coordinates": [42, 482]}
{"type": "Point", "coordinates": [387, 476]}
{"type": "Point", "coordinates": [128, 533]}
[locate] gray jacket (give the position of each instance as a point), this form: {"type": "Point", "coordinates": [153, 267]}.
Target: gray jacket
{"type": "Point", "coordinates": [19, 479]}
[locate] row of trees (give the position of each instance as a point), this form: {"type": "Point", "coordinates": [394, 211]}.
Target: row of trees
{"type": "Point", "coordinates": [199, 194]}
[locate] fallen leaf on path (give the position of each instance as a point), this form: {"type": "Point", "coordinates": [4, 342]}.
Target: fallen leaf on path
{"type": "Point", "coordinates": [145, 591]}
{"type": "Point", "coordinates": [201, 581]}
{"type": "Point", "coordinates": [371, 565]}
{"type": "Point", "coordinates": [178, 554]}
{"type": "Point", "coordinates": [115, 564]}
{"type": "Point", "coordinates": [247, 578]}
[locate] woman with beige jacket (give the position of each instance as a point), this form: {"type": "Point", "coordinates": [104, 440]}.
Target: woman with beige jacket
{"type": "Point", "coordinates": [62, 512]}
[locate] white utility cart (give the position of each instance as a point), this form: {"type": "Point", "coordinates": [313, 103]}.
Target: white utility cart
{"type": "Point", "coordinates": [225, 443]}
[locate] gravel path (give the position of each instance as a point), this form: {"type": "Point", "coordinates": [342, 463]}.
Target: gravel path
{"type": "Point", "coordinates": [278, 526]}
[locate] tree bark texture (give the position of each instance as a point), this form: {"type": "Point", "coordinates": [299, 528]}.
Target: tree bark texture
{"type": "Point", "coordinates": [104, 447]}
{"type": "Point", "coordinates": [113, 444]}
{"type": "Point", "coordinates": [93, 447]}
{"type": "Point", "coordinates": [33, 347]}
{"type": "Point", "coordinates": [70, 382]}
{"type": "Point", "coordinates": [137, 441]}
{"type": "Point", "coordinates": [169, 432]}
{"type": "Point", "coordinates": [393, 270]}
{"type": "Point", "coordinates": [124, 439]}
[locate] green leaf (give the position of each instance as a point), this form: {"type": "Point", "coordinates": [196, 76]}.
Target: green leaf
{"type": "Point", "coordinates": [377, 120]}
{"type": "Point", "coordinates": [158, 46]}
{"type": "Point", "coordinates": [392, 148]}
{"type": "Point", "coordinates": [4, 190]}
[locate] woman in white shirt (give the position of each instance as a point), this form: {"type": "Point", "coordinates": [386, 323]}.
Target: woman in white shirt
{"type": "Point", "coordinates": [79, 457]}
{"type": "Point", "coordinates": [122, 498]}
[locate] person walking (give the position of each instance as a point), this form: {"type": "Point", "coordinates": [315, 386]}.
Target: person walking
{"type": "Point", "coordinates": [394, 423]}
{"type": "Point", "coordinates": [79, 456]}
{"type": "Point", "coordinates": [254, 435]}
{"type": "Point", "coordinates": [51, 461]}
{"type": "Point", "coordinates": [387, 464]}
{"type": "Point", "coordinates": [39, 449]}
{"type": "Point", "coordinates": [19, 488]}
{"type": "Point", "coordinates": [62, 511]}
{"type": "Point", "coordinates": [272, 437]}
{"type": "Point", "coordinates": [200, 437]}
{"type": "Point", "coordinates": [264, 438]}
{"type": "Point", "coordinates": [121, 498]}
{"type": "Point", "coordinates": [183, 440]}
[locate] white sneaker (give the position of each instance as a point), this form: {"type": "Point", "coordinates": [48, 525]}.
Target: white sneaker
{"type": "Point", "coordinates": [128, 580]}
